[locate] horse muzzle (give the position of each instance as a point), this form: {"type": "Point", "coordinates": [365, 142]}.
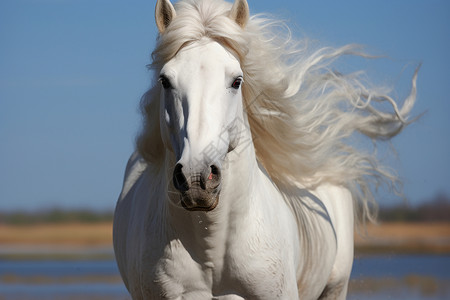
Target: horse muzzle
{"type": "Point", "coordinates": [199, 191]}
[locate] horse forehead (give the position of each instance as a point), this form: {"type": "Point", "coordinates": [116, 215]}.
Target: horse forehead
{"type": "Point", "coordinates": [203, 58]}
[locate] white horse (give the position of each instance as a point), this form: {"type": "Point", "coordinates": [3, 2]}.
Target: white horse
{"type": "Point", "coordinates": [242, 185]}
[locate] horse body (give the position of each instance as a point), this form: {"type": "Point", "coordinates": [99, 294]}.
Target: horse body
{"type": "Point", "coordinates": [249, 246]}
{"type": "Point", "coordinates": [207, 210]}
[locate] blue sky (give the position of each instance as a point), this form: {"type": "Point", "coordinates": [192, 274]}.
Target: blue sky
{"type": "Point", "coordinates": [72, 73]}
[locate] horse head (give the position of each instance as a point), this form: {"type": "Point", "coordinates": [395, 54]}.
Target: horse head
{"type": "Point", "coordinates": [200, 109]}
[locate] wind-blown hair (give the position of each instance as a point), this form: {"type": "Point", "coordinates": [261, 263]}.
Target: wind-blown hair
{"type": "Point", "coordinates": [301, 113]}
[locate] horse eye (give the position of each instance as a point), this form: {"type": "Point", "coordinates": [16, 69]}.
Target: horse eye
{"type": "Point", "coordinates": [237, 83]}
{"type": "Point", "coordinates": [165, 82]}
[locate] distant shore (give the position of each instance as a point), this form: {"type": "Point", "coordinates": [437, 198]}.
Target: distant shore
{"type": "Point", "coordinates": [56, 241]}
{"type": "Point", "coordinates": [404, 238]}
{"type": "Point", "coordinates": [94, 241]}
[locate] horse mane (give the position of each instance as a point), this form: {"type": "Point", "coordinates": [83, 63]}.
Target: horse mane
{"type": "Point", "coordinates": [302, 114]}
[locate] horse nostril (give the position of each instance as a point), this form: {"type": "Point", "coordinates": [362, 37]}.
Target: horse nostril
{"type": "Point", "coordinates": [179, 180]}
{"type": "Point", "coordinates": [215, 173]}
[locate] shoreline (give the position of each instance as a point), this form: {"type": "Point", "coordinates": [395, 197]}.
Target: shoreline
{"type": "Point", "coordinates": [404, 238]}
{"type": "Point", "coordinates": [83, 241]}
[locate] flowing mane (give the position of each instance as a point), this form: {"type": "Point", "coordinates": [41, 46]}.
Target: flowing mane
{"type": "Point", "coordinates": [301, 113]}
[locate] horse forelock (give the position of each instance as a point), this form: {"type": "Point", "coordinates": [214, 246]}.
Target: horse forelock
{"type": "Point", "coordinates": [301, 114]}
{"type": "Point", "coordinates": [196, 20]}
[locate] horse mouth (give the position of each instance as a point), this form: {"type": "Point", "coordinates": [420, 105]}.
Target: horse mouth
{"type": "Point", "coordinates": [201, 207]}
{"type": "Point", "coordinates": [199, 200]}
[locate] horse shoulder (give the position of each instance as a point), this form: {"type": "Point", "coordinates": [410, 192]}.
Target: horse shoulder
{"type": "Point", "coordinates": [339, 203]}
{"type": "Point", "coordinates": [130, 224]}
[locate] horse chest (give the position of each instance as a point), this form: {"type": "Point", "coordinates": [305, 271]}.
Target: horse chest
{"type": "Point", "coordinates": [177, 274]}
{"type": "Point", "coordinates": [239, 270]}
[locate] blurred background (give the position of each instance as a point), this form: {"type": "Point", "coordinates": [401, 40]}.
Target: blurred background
{"type": "Point", "coordinates": [71, 76]}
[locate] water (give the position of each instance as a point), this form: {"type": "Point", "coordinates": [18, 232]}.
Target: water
{"type": "Point", "coordinates": [373, 278]}
{"type": "Point", "coordinates": [54, 280]}
{"type": "Point", "coordinates": [398, 266]}
{"type": "Point", "coordinates": [58, 268]}
{"type": "Point", "coordinates": [413, 277]}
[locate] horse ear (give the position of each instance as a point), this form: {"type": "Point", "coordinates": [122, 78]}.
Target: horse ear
{"type": "Point", "coordinates": [164, 14]}
{"type": "Point", "coordinates": [240, 12]}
